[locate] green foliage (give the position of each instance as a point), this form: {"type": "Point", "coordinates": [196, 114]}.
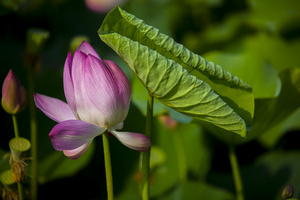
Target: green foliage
{"type": "Point", "coordinates": [166, 173]}
{"type": "Point", "coordinates": [252, 68]}
{"type": "Point", "coordinates": [283, 15]}
{"type": "Point", "coordinates": [56, 165]}
{"type": "Point", "coordinates": [176, 76]}
{"type": "Point", "coordinates": [139, 98]}
{"type": "Point", "coordinates": [284, 163]}
{"type": "Point", "coordinates": [4, 162]}
{"type": "Point", "coordinates": [272, 112]}
{"type": "Point", "coordinates": [199, 190]}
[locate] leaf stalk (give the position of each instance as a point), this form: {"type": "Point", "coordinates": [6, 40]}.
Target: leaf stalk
{"type": "Point", "coordinates": [236, 174]}
{"type": "Point", "coordinates": [146, 155]}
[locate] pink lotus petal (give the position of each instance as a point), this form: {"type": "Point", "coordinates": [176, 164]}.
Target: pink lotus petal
{"type": "Point", "coordinates": [102, 91]}
{"type": "Point", "coordinates": [103, 6]}
{"type": "Point", "coordinates": [76, 153]}
{"type": "Point", "coordinates": [72, 134]}
{"type": "Point", "coordinates": [85, 108]}
{"type": "Point", "coordinates": [119, 126]}
{"type": "Point", "coordinates": [68, 85]}
{"type": "Point", "coordinates": [88, 49]}
{"type": "Point", "coordinates": [135, 141]}
{"type": "Point", "coordinates": [54, 108]}
{"type": "Point", "coordinates": [123, 85]}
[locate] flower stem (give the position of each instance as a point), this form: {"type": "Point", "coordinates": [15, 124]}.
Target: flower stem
{"type": "Point", "coordinates": [108, 170]}
{"type": "Point", "coordinates": [16, 129]}
{"type": "Point", "coordinates": [236, 174]}
{"type": "Point", "coordinates": [146, 155]}
{"type": "Point", "coordinates": [14, 118]}
{"type": "Point", "coordinates": [33, 134]}
{"type": "Point", "coordinates": [20, 191]}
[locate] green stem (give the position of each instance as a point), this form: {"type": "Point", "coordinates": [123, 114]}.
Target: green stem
{"type": "Point", "coordinates": [146, 155]}
{"type": "Point", "coordinates": [16, 129]}
{"type": "Point", "coordinates": [14, 118]}
{"type": "Point", "coordinates": [33, 134]}
{"type": "Point", "coordinates": [108, 170]}
{"type": "Point", "coordinates": [236, 174]}
{"type": "Point", "coordinates": [181, 156]}
{"type": "Point", "coordinates": [20, 191]}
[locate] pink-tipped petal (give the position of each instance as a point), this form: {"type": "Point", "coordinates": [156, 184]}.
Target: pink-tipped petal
{"type": "Point", "coordinates": [88, 49]}
{"type": "Point", "coordinates": [68, 84]}
{"type": "Point", "coordinates": [102, 91]}
{"type": "Point", "coordinates": [135, 141]}
{"type": "Point", "coordinates": [86, 110]}
{"type": "Point", "coordinates": [72, 134]}
{"type": "Point", "coordinates": [54, 108]}
{"type": "Point", "coordinates": [76, 153]}
{"type": "Point", "coordinates": [123, 85]}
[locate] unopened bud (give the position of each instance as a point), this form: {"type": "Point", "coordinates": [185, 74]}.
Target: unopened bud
{"type": "Point", "coordinates": [168, 122]}
{"type": "Point", "coordinates": [287, 192]}
{"type": "Point", "coordinates": [14, 96]}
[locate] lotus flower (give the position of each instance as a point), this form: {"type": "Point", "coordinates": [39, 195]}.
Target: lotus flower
{"type": "Point", "coordinates": [98, 97]}
{"type": "Point", "coordinates": [14, 96]}
{"type": "Point", "coordinates": [103, 6]}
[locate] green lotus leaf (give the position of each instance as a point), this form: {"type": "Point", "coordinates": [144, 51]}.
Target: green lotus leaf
{"type": "Point", "coordinates": [271, 113]}
{"type": "Point", "coordinates": [176, 76]}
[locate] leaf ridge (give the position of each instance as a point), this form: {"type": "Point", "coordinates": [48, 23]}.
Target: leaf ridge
{"type": "Point", "coordinates": [173, 74]}
{"type": "Point", "coordinates": [143, 28]}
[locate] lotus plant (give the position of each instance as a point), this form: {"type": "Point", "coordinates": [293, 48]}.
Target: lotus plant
{"type": "Point", "coordinates": [98, 97]}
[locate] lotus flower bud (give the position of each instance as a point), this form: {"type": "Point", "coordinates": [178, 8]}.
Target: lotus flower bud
{"type": "Point", "coordinates": [168, 122]}
{"type": "Point", "coordinates": [287, 192]}
{"type": "Point", "coordinates": [14, 96]}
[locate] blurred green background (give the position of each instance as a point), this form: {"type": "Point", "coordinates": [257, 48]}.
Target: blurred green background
{"type": "Point", "coordinates": [253, 39]}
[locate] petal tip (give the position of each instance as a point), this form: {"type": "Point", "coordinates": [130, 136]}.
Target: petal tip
{"type": "Point", "coordinates": [135, 141]}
